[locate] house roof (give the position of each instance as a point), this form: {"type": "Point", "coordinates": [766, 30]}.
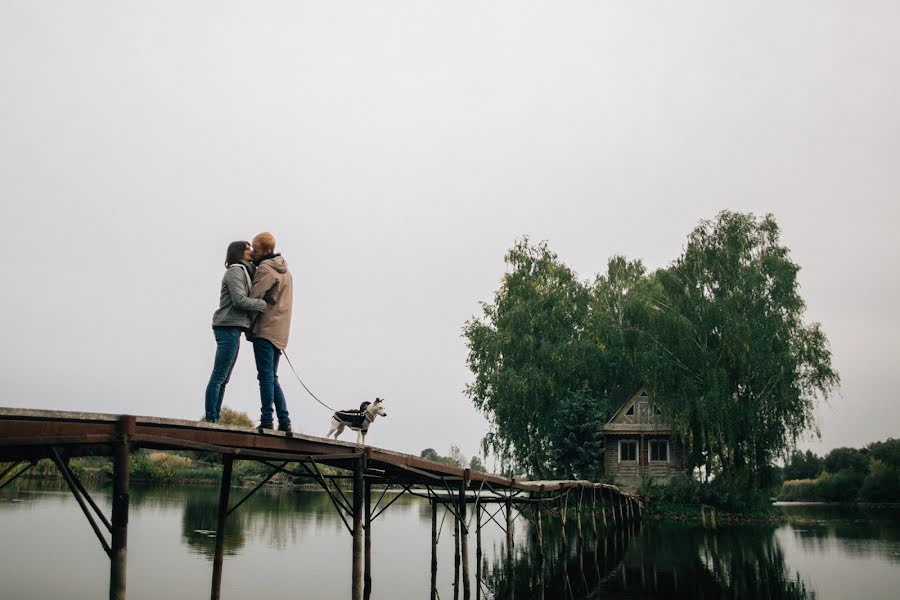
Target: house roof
{"type": "Point", "coordinates": [618, 424]}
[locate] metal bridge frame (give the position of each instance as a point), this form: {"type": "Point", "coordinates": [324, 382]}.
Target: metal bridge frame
{"type": "Point", "coordinates": [27, 436]}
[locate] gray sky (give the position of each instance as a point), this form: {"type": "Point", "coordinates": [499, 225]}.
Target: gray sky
{"type": "Point", "coordinates": [397, 150]}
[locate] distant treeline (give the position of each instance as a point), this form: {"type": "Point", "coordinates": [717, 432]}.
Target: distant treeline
{"type": "Point", "coordinates": [869, 474]}
{"type": "Point", "coordinates": [454, 459]}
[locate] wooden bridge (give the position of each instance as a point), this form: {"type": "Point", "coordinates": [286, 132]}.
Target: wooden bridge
{"type": "Point", "coordinates": [27, 436]}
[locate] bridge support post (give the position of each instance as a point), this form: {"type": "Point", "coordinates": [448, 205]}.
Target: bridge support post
{"type": "Point", "coordinates": [456, 560]}
{"type": "Point", "coordinates": [477, 550]}
{"type": "Point", "coordinates": [433, 549]}
{"type": "Point", "coordinates": [464, 534]}
{"type": "Point", "coordinates": [539, 525]}
{"type": "Point", "coordinates": [563, 516]}
{"type": "Point", "coordinates": [578, 515]}
{"type": "Point", "coordinates": [118, 563]}
{"type": "Point", "coordinates": [224, 491]}
{"type": "Point", "coordinates": [509, 542]}
{"type": "Point", "coordinates": [358, 485]}
{"type": "Point", "coordinates": [367, 570]}
{"type": "Point", "coordinates": [603, 509]}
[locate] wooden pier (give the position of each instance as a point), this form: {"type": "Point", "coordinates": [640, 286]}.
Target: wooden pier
{"type": "Point", "coordinates": [27, 436]}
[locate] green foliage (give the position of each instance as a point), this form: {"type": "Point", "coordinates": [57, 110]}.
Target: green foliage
{"type": "Point", "coordinates": [887, 451]}
{"type": "Point", "coordinates": [803, 466]}
{"type": "Point", "coordinates": [577, 443]}
{"type": "Point", "coordinates": [150, 465]}
{"type": "Point", "coordinates": [529, 351]}
{"type": "Point", "coordinates": [230, 416]}
{"type": "Point", "coordinates": [684, 490]}
{"type": "Point", "coordinates": [847, 459]}
{"type": "Point", "coordinates": [735, 367]}
{"type": "Point", "coordinates": [545, 346]}
{"type": "Point", "coordinates": [476, 465]}
{"type": "Point", "coordinates": [431, 454]}
{"type": "Point", "coordinates": [882, 484]}
{"type": "Point", "coordinates": [455, 459]}
{"type": "Point", "coordinates": [718, 338]}
{"type": "Point", "coordinates": [871, 474]}
{"type": "Point", "coordinates": [842, 486]}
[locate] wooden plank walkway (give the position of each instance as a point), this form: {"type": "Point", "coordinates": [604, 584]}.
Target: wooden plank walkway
{"type": "Point", "coordinates": [27, 434]}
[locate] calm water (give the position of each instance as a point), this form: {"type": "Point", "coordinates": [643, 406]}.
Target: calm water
{"type": "Point", "coordinates": [284, 544]}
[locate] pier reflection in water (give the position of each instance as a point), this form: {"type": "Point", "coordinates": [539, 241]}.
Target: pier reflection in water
{"type": "Point", "coordinates": [289, 543]}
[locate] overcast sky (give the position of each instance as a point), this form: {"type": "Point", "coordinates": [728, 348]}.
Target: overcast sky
{"type": "Point", "coordinates": [397, 150]}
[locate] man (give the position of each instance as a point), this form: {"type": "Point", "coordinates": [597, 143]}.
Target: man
{"type": "Point", "coordinates": [274, 284]}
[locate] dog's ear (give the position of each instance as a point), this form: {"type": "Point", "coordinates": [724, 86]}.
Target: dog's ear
{"type": "Point", "coordinates": [377, 400]}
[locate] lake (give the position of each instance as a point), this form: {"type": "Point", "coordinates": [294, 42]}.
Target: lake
{"type": "Point", "coordinates": [291, 544]}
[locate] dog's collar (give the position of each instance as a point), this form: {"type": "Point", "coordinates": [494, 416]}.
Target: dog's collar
{"type": "Point", "coordinates": [368, 417]}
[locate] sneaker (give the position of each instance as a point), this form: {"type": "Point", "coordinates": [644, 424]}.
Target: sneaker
{"type": "Point", "coordinates": [264, 426]}
{"type": "Point", "coordinates": [285, 427]}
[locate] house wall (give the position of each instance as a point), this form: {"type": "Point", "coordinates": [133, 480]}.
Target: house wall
{"type": "Point", "coordinates": [630, 472]}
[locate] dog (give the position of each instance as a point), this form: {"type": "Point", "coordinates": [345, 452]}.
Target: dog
{"type": "Point", "coordinates": [357, 420]}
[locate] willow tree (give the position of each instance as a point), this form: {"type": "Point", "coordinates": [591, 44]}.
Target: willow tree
{"type": "Point", "coordinates": [734, 363]}
{"type": "Point", "coordinates": [530, 352]}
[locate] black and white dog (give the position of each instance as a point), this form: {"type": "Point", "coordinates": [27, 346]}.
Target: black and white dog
{"type": "Point", "coordinates": [357, 420]}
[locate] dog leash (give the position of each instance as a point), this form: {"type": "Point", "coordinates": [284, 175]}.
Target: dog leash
{"type": "Point", "coordinates": [308, 391]}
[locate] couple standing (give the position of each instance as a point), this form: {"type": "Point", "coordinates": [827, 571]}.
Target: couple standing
{"type": "Point", "coordinates": [256, 299]}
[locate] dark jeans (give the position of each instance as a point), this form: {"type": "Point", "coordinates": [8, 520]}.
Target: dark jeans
{"type": "Point", "coordinates": [228, 342]}
{"type": "Point", "coordinates": [270, 393]}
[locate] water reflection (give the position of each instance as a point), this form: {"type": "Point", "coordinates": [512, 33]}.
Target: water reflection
{"type": "Point", "coordinates": [654, 560]}
{"type": "Point", "coordinates": [278, 517]}
{"type": "Point", "coordinates": [859, 531]}
{"type": "Point", "coordinates": [278, 529]}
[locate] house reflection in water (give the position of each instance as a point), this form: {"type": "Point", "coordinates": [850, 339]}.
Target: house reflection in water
{"type": "Point", "coordinates": [653, 560]}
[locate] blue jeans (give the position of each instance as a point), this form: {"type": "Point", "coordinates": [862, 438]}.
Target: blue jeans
{"type": "Point", "coordinates": [228, 342]}
{"type": "Point", "coordinates": [270, 393]}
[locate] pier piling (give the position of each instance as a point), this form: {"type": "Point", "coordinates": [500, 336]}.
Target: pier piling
{"type": "Point", "coordinates": [222, 519]}
{"type": "Point", "coordinates": [118, 557]}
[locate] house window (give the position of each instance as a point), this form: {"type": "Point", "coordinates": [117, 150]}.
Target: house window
{"type": "Point", "coordinates": [630, 411]}
{"type": "Point", "coordinates": [643, 394]}
{"type": "Point", "coordinates": [659, 450]}
{"type": "Point", "coordinates": [656, 410]}
{"type": "Point", "coordinates": [627, 450]}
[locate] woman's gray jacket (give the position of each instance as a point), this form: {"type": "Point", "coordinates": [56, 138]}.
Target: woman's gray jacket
{"type": "Point", "coordinates": [236, 307]}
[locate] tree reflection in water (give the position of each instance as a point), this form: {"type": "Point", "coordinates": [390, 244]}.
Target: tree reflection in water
{"type": "Point", "coordinates": [270, 514]}
{"type": "Point", "coordinates": [665, 560]}
{"type": "Point", "coordinates": [852, 528]}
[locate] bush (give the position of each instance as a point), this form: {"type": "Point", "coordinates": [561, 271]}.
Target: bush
{"type": "Point", "coordinates": [827, 487]}
{"type": "Point", "coordinates": [840, 487]}
{"type": "Point", "coordinates": [882, 484]}
{"type": "Point", "coordinates": [229, 416]}
{"type": "Point", "coordinates": [887, 452]}
{"type": "Point", "coordinates": [682, 489]}
{"type": "Point", "coordinates": [158, 466]}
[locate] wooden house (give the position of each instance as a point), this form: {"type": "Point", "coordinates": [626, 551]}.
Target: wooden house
{"type": "Point", "coordinates": [639, 441]}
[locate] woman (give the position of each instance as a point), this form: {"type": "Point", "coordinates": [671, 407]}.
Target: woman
{"type": "Point", "coordinates": [233, 317]}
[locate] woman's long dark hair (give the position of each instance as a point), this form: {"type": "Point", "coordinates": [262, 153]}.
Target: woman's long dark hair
{"type": "Point", "coordinates": [235, 253]}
